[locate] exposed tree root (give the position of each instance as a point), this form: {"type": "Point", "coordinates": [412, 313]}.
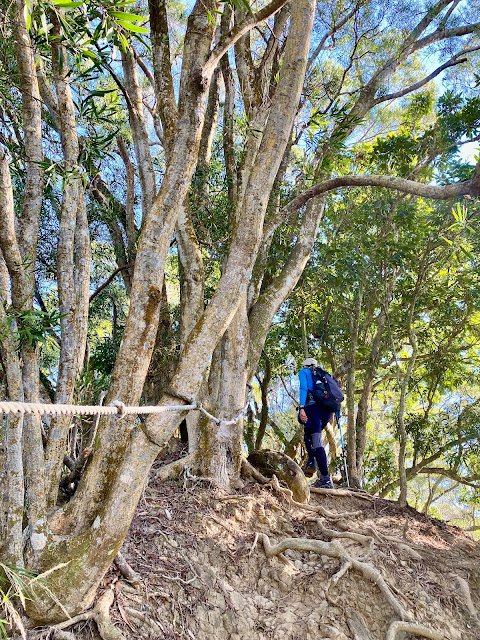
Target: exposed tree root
{"type": "Point", "coordinates": [309, 507]}
{"type": "Point", "coordinates": [126, 570]}
{"type": "Point", "coordinates": [344, 568]}
{"type": "Point", "coordinates": [63, 635]}
{"type": "Point", "coordinates": [335, 550]}
{"type": "Point", "coordinates": [343, 493]}
{"type": "Point", "coordinates": [368, 531]}
{"type": "Point", "coordinates": [414, 629]}
{"type": "Point", "coordinates": [249, 471]}
{"type": "Point", "coordinates": [145, 619]}
{"type": "Point", "coordinates": [101, 615]}
{"type": "Point", "coordinates": [367, 541]}
{"type": "Point", "coordinates": [173, 469]}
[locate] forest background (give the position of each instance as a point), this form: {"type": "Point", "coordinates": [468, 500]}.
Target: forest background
{"type": "Point", "coordinates": [173, 228]}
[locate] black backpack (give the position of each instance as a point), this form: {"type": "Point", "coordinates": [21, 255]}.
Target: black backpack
{"type": "Point", "coordinates": [327, 393]}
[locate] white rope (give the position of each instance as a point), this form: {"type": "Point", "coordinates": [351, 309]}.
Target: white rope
{"type": "Point", "coordinates": [219, 420]}
{"type": "Point", "coordinates": [116, 408]}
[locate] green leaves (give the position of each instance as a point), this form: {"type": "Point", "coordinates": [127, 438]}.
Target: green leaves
{"type": "Point", "coordinates": [128, 20]}
{"type": "Point", "coordinates": [129, 26]}
{"type": "Point", "coordinates": [27, 12]}
{"type": "Point", "coordinates": [240, 4]}
{"type": "Point", "coordinates": [129, 17]}
{"type": "Point", "coordinates": [88, 26]}
{"type": "Point", "coordinates": [30, 326]}
{"type": "Point", "coordinates": [67, 4]}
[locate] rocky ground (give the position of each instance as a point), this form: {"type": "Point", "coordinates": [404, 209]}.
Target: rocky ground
{"type": "Point", "coordinates": [205, 574]}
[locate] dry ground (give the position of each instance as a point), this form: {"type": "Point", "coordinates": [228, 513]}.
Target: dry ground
{"type": "Point", "coordinates": [205, 574]}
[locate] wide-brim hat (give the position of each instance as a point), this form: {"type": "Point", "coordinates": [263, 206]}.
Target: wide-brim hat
{"type": "Point", "coordinates": [308, 362]}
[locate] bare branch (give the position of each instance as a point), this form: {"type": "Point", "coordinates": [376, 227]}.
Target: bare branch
{"type": "Point", "coordinates": [141, 63]}
{"type": "Point", "coordinates": [249, 22]}
{"type": "Point", "coordinates": [430, 16]}
{"type": "Point", "coordinates": [335, 28]}
{"type": "Point", "coordinates": [164, 92]}
{"type": "Point", "coordinates": [108, 281]}
{"type": "Point", "coordinates": [442, 192]}
{"type": "Point", "coordinates": [417, 85]}
{"type": "Point", "coordinates": [272, 50]}
{"type": "Point", "coordinates": [131, 227]}
{"type": "Point", "coordinates": [47, 94]}
{"type": "Point", "coordinates": [470, 481]}
{"type": "Point", "coordinates": [444, 34]}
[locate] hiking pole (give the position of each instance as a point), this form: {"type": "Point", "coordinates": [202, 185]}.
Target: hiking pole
{"type": "Point", "coordinates": [337, 415]}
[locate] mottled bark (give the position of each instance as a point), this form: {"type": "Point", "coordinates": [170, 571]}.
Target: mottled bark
{"type": "Point", "coordinates": [91, 528]}
{"type": "Point", "coordinates": [21, 288]}
{"type": "Point", "coordinates": [350, 391]}
{"type": "Point", "coordinates": [12, 502]}
{"type": "Point", "coordinates": [208, 130]}
{"type": "Point", "coordinates": [191, 273]}
{"type": "Point", "coordinates": [273, 220]}
{"type": "Point", "coordinates": [264, 382]}
{"type": "Point", "coordinates": [249, 86]}
{"type": "Point", "coordinates": [19, 242]}
{"type": "Point", "coordinates": [141, 327]}
{"type": "Point", "coordinates": [32, 129]}
{"type": "Point", "coordinates": [83, 259]}
{"type": "Point", "coordinates": [164, 92]}
{"type": "Point", "coordinates": [165, 354]}
{"type": "Point", "coordinates": [130, 226]}
{"type": "Point", "coordinates": [220, 446]}
{"type": "Point", "coordinates": [139, 131]}
{"type": "Point", "coordinates": [73, 267]}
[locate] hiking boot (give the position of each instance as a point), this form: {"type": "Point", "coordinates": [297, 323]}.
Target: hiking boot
{"type": "Point", "coordinates": [324, 482]}
{"type": "Point", "coordinates": [310, 468]}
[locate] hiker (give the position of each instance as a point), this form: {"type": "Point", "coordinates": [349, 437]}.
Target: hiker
{"type": "Point", "coordinates": [314, 420]}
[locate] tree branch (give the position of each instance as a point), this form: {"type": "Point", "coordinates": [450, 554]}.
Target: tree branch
{"type": "Point", "coordinates": [444, 34]}
{"type": "Point", "coordinates": [162, 69]}
{"type": "Point", "coordinates": [130, 227]}
{"type": "Point", "coordinates": [417, 85]}
{"type": "Point", "coordinates": [333, 30]}
{"type": "Point", "coordinates": [249, 22]}
{"type": "Point", "coordinates": [442, 192]}
{"type": "Point", "coordinates": [449, 473]}
{"type": "Point", "coordinates": [108, 281]}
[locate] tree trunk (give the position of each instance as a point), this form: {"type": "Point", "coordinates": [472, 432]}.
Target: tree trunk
{"type": "Point", "coordinates": [372, 365]}
{"type": "Point", "coordinates": [264, 412]}
{"type": "Point", "coordinates": [402, 434]}
{"type": "Point", "coordinates": [220, 445]}
{"type": "Point", "coordinates": [353, 474]}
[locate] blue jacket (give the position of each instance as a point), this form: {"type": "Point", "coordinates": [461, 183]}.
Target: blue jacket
{"type": "Point", "coordinates": [307, 384]}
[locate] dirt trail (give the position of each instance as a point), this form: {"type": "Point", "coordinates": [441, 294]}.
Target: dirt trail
{"type": "Point", "coordinates": [203, 578]}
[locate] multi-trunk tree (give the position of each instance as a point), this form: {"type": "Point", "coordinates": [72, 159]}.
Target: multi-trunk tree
{"type": "Point", "coordinates": [293, 78]}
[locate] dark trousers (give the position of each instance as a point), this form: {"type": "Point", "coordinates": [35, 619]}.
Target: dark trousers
{"type": "Point", "coordinates": [312, 436]}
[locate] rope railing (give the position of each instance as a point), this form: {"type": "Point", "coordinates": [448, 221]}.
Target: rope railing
{"type": "Point", "coordinates": [116, 408]}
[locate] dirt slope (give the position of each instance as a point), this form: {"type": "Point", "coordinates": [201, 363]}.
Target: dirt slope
{"type": "Point", "coordinates": [203, 579]}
